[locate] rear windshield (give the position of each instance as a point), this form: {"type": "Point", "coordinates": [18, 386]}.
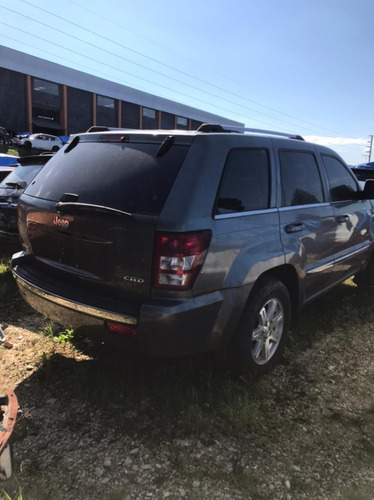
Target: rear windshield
{"type": "Point", "coordinates": [128, 177]}
{"type": "Point", "coordinates": [22, 174]}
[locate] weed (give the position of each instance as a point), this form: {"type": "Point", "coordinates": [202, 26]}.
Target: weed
{"type": "Point", "coordinates": [61, 337]}
{"type": "Point", "coordinates": [5, 496]}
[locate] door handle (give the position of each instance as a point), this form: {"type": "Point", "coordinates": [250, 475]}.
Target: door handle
{"type": "Point", "coordinates": [342, 218]}
{"type": "Point", "coordinates": [294, 227]}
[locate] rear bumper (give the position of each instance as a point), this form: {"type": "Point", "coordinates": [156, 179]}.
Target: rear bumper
{"type": "Point", "coordinates": [166, 327]}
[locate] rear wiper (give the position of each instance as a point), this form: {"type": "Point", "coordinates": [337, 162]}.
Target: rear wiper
{"type": "Point", "coordinates": [16, 185]}
{"type": "Point", "coordinates": [78, 207]}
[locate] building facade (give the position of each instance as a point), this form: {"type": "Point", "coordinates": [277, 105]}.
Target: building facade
{"type": "Point", "coordinates": [39, 96]}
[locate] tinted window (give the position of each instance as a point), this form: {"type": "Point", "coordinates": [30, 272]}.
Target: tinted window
{"type": "Point", "coordinates": [301, 181]}
{"type": "Point", "coordinates": [22, 174]}
{"type": "Point", "coordinates": [126, 177]}
{"type": "Point", "coordinates": [342, 184]}
{"type": "Point", "coordinates": [245, 182]}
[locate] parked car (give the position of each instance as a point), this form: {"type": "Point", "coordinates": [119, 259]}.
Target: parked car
{"type": "Point", "coordinates": [4, 137]}
{"type": "Point", "coordinates": [364, 171]}
{"type": "Point", "coordinates": [8, 160]}
{"type": "Point", "coordinates": [174, 242]}
{"type": "Point", "coordinates": [10, 190]}
{"type": "Point", "coordinates": [41, 141]}
{"type": "Point", "coordinates": [7, 164]}
{"type": "Point", "coordinates": [18, 138]}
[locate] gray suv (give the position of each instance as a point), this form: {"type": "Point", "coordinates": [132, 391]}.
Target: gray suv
{"type": "Point", "coordinates": [173, 242]}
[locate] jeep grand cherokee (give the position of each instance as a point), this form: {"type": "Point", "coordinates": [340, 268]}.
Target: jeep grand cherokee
{"type": "Point", "coordinates": [174, 242]}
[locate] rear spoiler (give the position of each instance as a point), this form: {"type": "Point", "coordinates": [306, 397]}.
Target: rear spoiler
{"type": "Point", "coordinates": [8, 416]}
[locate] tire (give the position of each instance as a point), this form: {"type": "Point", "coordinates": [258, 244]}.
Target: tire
{"type": "Point", "coordinates": [55, 149]}
{"type": "Point", "coordinates": [2, 141]}
{"type": "Point", "coordinates": [259, 341]}
{"type": "Point", "coordinates": [27, 145]}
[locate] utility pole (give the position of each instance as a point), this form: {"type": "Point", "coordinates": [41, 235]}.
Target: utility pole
{"type": "Point", "coordinates": [369, 147]}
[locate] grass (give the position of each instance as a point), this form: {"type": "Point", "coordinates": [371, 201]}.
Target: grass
{"type": "Point", "coordinates": [162, 401]}
{"type": "Point", "coordinates": [192, 387]}
{"type": "Point", "coordinates": [54, 332]}
{"type": "Point", "coordinates": [12, 150]}
{"type": "Point", "coordinates": [5, 496]}
{"type": "Point", "coordinates": [7, 285]}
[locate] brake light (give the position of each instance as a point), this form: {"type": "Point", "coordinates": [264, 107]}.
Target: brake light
{"type": "Point", "coordinates": [178, 258]}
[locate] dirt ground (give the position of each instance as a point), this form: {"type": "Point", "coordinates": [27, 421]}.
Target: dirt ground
{"type": "Point", "coordinates": [99, 424]}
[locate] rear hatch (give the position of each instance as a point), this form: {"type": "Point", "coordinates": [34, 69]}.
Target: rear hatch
{"type": "Point", "coordinates": [90, 215]}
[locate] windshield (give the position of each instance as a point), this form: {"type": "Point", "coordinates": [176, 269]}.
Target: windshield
{"type": "Point", "coordinates": [21, 174]}
{"type": "Point", "coordinates": [126, 177]}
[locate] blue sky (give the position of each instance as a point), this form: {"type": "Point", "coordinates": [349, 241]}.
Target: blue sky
{"type": "Point", "coordinates": [301, 66]}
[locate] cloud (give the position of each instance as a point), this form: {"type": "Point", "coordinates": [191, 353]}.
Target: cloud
{"type": "Point", "coordinates": [334, 141]}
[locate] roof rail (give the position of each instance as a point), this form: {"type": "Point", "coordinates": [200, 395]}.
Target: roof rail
{"type": "Point", "coordinates": [100, 128]}
{"type": "Point", "coordinates": [211, 127]}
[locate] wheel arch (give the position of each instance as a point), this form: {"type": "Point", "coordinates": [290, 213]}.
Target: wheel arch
{"type": "Point", "coordinates": [287, 274]}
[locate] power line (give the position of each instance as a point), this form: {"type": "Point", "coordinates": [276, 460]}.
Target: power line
{"type": "Point", "coordinates": [131, 74]}
{"type": "Point", "coordinates": [153, 71]}
{"type": "Point", "coordinates": [178, 70]}
{"type": "Point", "coordinates": [44, 51]}
{"type": "Point", "coordinates": [172, 68]}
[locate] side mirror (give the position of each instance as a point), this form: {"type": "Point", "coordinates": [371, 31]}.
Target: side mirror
{"type": "Point", "coordinates": [368, 192]}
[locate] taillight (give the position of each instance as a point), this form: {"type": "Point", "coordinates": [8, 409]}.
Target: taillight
{"type": "Point", "coordinates": [122, 330]}
{"type": "Point", "coordinates": [178, 258]}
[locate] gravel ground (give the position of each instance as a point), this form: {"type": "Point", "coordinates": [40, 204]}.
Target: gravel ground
{"type": "Point", "coordinates": [98, 424]}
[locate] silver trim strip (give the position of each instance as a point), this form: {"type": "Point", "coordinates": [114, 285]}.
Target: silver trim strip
{"type": "Point", "coordinates": [300, 207]}
{"type": "Point", "coordinates": [243, 214]}
{"type": "Point", "coordinates": [75, 306]}
{"type": "Point", "coordinates": [362, 249]}
{"type": "Point", "coordinates": [321, 268]}
{"type": "Point", "coordinates": [328, 265]}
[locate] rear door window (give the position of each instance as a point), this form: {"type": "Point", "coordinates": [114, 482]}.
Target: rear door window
{"type": "Point", "coordinates": [128, 177]}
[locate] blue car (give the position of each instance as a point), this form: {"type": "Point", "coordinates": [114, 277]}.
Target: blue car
{"type": "Point", "coordinates": [364, 171]}
{"type": "Point", "coordinates": [8, 160]}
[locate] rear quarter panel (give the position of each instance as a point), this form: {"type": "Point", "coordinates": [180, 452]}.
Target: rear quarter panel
{"type": "Point", "coordinates": [243, 246]}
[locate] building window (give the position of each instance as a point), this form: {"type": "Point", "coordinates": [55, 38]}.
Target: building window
{"type": "Point", "coordinates": [46, 95]}
{"type": "Point", "coordinates": [167, 121]}
{"type": "Point", "coordinates": [106, 111]}
{"type": "Point", "coordinates": [46, 87]}
{"type": "Point", "coordinates": [130, 115]}
{"type": "Point", "coordinates": [105, 102]}
{"type": "Point", "coordinates": [149, 118]}
{"type": "Point", "coordinates": [182, 123]}
{"type": "Point", "coordinates": [79, 110]}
